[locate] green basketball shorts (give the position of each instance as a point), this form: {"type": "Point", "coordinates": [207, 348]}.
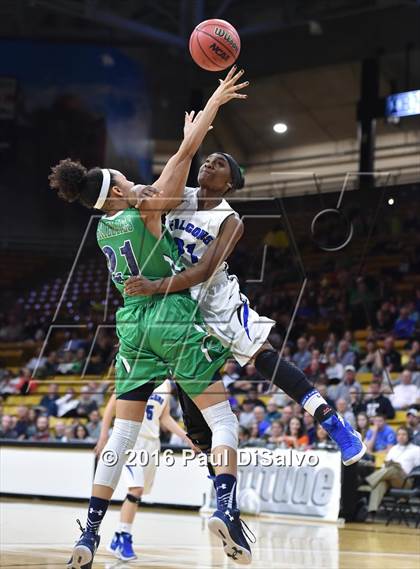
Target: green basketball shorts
{"type": "Point", "coordinates": [165, 336]}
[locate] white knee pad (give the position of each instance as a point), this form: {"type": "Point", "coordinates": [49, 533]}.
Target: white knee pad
{"type": "Point", "coordinates": [223, 424]}
{"type": "Point", "coordinates": [114, 455]}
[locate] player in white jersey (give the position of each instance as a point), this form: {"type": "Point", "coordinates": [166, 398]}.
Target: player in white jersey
{"type": "Point", "coordinates": [139, 479]}
{"type": "Point", "coordinates": [206, 230]}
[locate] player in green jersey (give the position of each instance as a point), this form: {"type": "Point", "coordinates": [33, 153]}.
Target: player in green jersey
{"type": "Point", "coordinates": [159, 335]}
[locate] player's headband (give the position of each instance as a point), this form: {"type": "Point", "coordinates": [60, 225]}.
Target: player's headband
{"type": "Point", "coordinates": [238, 180]}
{"type": "Point", "coordinates": [106, 182]}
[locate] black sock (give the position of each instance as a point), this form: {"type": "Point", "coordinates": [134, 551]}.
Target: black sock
{"type": "Point", "coordinates": [294, 382]}
{"type": "Point", "coordinates": [96, 512]}
{"type": "Point", "coordinates": [286, 376]}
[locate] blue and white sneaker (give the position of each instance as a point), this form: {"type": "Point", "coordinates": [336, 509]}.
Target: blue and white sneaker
{"type": "Point", "coordinates": [125, 547]}
{"type": "Point", "coordinates": [228, 527]}
{"type": "Point", "coordinates": [84, 550]}
{"type": "Point", "coordinates": [347, 439]}
{"type": "Point", "coordinates": [114, 545]}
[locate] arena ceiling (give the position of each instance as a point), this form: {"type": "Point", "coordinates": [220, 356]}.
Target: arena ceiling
{"type": "Point", "coordinates": [302, 56]}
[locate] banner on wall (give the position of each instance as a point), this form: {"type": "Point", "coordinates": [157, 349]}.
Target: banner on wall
{"type": "Point", "coordinates": [288, 482]}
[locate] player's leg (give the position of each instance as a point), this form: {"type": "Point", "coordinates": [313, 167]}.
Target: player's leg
{"type": "Point", "coordinates": [225, 522]}
{"type": "Point", "coordinates": [228, 314]}
{"type": "Point", "coordinates": [139, 478]}
{"type": "Point", "coordinates": [195, 358]}
{"type": "Point", "coordinates": [122, 543]}
{"type": "Point", "coordinates": [296, 385]}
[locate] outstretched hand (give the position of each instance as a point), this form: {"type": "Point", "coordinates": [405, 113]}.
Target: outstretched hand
{"type": "Point", "coordinates": [228, 89]}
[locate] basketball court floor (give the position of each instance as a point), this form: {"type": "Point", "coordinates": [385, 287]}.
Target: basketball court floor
{"type": "Point", "coordinates": [41, 534]}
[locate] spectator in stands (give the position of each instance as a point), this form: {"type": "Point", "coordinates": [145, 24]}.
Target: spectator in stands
{"type": "Point", "coordinates": [49, 401]}
{"type": "Point", "coordinates": [86, 403]}
{"type": "Point", "coordinates": [7, 431]}
{"type": "Point", "coordinates": [302, 358]}
{"type": "Point", "coordinates": [243, 436]}
{"type": "Point", "coordinates": [32, 418]}
{"type": "Point", "coordinates": [334, 369]}
{"type": "Point", "coordinates": [273, 413]}
{"type": "Point", "coordinates": [323, 390]}
{"type": "Point", "coordinates": [250, 379]}
{"type": "Point", "coordinates": [60, 432]}
{"type": "Point", "coordinates": [375, 402]}
{"type": "Point", "coordinates": [260, 420]}
{"type": "Point", "coordinates": [310, 429]}
{"type": "Point", "coordinates": [383, 324]}
{"type": "Point", "coordinates": [399, 462]}
{"type": "Point", "coordinates": [68, 434]}
{"type": "Point", "coordinates": [414, 352]}
{"type": "Point", "coordinates": [404, 326]}
{"type": "Point", "coordinates": [349, 381]}
{"type": "Point", "coordinates": [275, 435]}
{"type": "Point", "coordinates": [253, 396]}
{"type": "Point", "coordinates": [353, 345]}
{"type": "Point", "coordinates": [94, 425]}
{"type": "Point", "coordinates": [81, 434]}
{"type": "Point", "coordinates": [295, 434]}
{"type": "Point", "coordinates": [230, 374]}
{"type": "Point", "coordinates": [98, 390]}
{"type": "Point", "coordinates": [362, 423]}
{"type": "Point", "coordinates": [68, 365]}
{"type": "Point", "coordinates": [246, 414]}
{"type": "Point", "coordinates": [79, 360]}
{"type": "Point", "coordinates": [51, 365]}
{"type": "Point", "coordinates": [405, 393]}
{"type": "Point", "coordinates": [345, 355]}
{"type": "Point", "coordinates": [345, 412]}
{"type": "Point", "coordinates": [380, 436]}
{"type": "Point", "coordinates": [66, 405]}
{"type": "Point", "coordinates": [12, 330]}
{"type": "Point", "coordinates": [36, 363]}
{"type": "Point", "coordinates": [22, 422]}
{"type": "Point", "coordinates": [415, 371]}
{"type": "Point", "coordinates": [101, 356]}
{"type": "Point", "coordinates": [413, 425]}
{"type": "Point", "coordinates": [313, 371]}
{"type": "Point", "coordinates": [390, 356]}
{"type": "Point", "coordinates": [286, 415]}
{"type": "Point", "coordinates": [322, 440]}
{"type": "Point", "coordinates": [370, 360]}
{"type": "Point", "coordinates": [42, 433]}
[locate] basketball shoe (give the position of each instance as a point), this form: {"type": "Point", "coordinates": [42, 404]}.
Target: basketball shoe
{"type": "Point", "coordinates": [228, 527]}
{"type": "Point", "coordinates": [84, 550]}
{"type": "Point", "coordinates": [125, 547]}
{"type": "Point", "coordinates": [347, 439]}
{"type": "Point", "coordinates": [113, 546]}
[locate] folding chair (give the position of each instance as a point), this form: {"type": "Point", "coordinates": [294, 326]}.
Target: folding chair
{"type": "Point", "coordinates": [406, 500]}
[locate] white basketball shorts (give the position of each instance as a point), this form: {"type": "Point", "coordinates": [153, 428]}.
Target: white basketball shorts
{"type": "Point", "coordinates": [137, 476]}
{"type": "Point", "coordinates": [229, 317]}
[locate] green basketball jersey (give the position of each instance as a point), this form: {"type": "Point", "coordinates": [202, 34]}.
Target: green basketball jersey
{"type": "Point", "coordinates": [131, 249]}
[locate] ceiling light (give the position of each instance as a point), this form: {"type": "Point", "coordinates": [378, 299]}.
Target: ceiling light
{"type": "Point", "coordinates": [280, 127]}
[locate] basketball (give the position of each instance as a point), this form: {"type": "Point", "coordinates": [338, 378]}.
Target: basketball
{"type": "Point", "coordinates": [215, 45]}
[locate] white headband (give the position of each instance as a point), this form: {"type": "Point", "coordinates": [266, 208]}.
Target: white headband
{"type": "Point", "coordinates": [106, 182]}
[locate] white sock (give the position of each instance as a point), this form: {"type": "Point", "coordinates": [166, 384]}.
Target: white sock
{"type": "Point", "coordinates": [312, 401]}
{"type": "Point", "coordinates": [122, 527]}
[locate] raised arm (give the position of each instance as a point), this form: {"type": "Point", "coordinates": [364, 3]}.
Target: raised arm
{"type": "Point", "coordinates": [171, 182]}
{"type": "Point", "coordinates": [218, 251]}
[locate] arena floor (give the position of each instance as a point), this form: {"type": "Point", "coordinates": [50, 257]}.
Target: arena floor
{"type": "Point", "coordinates": [38, 534]}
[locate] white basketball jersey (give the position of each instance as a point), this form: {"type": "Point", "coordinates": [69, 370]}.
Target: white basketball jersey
{"type": "Point", "coordinates": [150, 427]}
{"type": "Point", "coordinates": [193, 230]}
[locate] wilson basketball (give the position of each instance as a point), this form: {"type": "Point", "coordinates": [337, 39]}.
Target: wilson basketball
{"type": "Point", "coordinates": [215, 45]}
